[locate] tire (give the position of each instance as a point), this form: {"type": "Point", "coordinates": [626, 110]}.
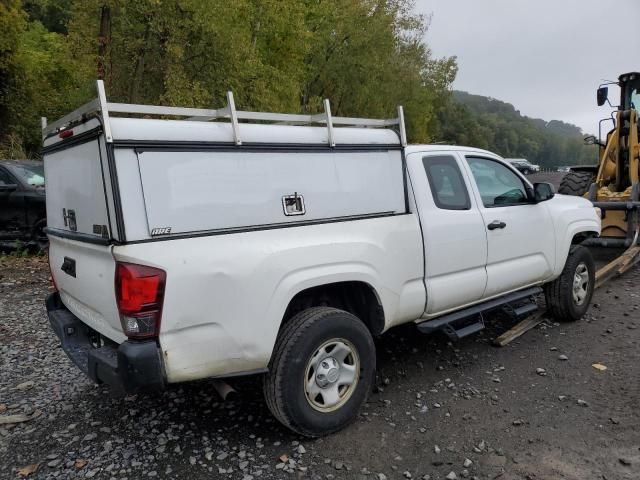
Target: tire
{"type": "Point", "coordinates": [38, 237]}
{"type": "Point", "coordinates": [576, 183]}
{"type": "Point", "coordinates": [299, 364]}
{"type": "Point", "coordinates": [563, 303]}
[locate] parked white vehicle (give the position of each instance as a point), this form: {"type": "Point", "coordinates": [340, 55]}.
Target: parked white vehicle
{"type": "Point", "coordinates": [186, 249]}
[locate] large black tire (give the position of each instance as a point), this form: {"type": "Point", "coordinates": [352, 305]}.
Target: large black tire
{"type": "Point", "coordinates": [286, 385]}
{"type": "Point", "coordinates": [576, 183]}
{"type": "Point", "coordinates": [561, 299]}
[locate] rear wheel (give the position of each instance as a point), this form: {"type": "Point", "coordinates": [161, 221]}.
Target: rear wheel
{"type": "Point", "coordinates": [321, 371]}
{"type": "Point", "coordinates": [576, 183]}
{"type": "Point", "coordinates": [568, 296]}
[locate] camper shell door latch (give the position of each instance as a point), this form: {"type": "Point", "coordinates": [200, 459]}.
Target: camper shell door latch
{"type": "Point", "coordinates": [293, 204]}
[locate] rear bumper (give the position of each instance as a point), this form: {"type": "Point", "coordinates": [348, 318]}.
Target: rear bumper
{"type": "Point", "coordinates": [128, 367]}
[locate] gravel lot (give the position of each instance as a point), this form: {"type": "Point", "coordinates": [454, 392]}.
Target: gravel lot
{"type": "Point", "coordinates": [441, 410]}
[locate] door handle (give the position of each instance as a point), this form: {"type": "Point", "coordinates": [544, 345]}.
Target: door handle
{"type": "Point", "coordinates": [496, 224]}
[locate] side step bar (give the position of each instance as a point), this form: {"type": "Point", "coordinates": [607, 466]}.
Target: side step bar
{"type": "Point", "coordinates": [461, 323]}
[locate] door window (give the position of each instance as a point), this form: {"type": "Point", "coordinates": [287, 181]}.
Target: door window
{"type": "Point", "coordinates": [5, 178]}
{"type": "Point", "coordinates": [499, 186]}
{"type": "Point", "coordinates": [446, 182]}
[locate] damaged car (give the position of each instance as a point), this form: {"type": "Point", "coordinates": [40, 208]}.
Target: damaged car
{"type": "Point", "coordinates": [22, 203]}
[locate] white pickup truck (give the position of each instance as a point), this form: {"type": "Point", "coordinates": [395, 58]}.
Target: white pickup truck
{"type": "Point", "coordinates": [281, 245]}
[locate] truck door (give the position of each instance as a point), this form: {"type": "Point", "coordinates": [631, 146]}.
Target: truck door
{"type": "Point", "coordinates": [520, 234]}
{"type": "Point", "coordinates": [453, 230]}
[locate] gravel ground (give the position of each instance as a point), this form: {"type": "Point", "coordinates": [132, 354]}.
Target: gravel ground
{"type": "Point", "coordinates": [536, 409]}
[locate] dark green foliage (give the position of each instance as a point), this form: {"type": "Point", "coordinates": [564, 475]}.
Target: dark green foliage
{"type": "Point", "coordinates": [53, 14]}
{"type": "Point", "coordinates": [488, 123]}
{"type": "Point", "coordinates": [366, 56]}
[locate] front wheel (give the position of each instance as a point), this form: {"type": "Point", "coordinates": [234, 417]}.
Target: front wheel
{"type": "Point", "coordinates": [321, 371]}
{"type": "Point", "coordinates": [568, 296]}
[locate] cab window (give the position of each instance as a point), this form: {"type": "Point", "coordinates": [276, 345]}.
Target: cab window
{"type": "Point", "coordinates": [446, 182]}
{"type": "Point", "coordinates": [498, 185]}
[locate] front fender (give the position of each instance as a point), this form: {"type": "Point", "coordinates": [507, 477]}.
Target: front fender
{"type": "Point", "coordinates": [565, 241]}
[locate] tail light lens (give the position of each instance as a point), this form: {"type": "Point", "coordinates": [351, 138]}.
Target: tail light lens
{"type": "Point", "coordinates": [140, 294]}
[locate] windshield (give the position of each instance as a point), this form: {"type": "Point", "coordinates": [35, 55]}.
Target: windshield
{"type": "Point", "coordinates": [631, 95]}
{"type": "Point", "coordinates": [635, 98]}
{"type": "Point", "coordinates": [31, 174]}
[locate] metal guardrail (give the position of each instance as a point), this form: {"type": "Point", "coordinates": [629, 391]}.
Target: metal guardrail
{"type": "Point", "coordinates": [105, 108]}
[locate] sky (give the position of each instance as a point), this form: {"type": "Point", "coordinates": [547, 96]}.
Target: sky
{"type": "Point", "coordinates": [546, 57]}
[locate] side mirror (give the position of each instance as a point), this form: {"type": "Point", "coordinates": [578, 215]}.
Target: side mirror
{"type": "Point", "coordinates": [603, 94]}
{"type": "Point", "coordinates": [590, 140]}
{"type": "Point", "coordinates": [8, 187]}
{"type": "Point", "coordinates": [543, 191]}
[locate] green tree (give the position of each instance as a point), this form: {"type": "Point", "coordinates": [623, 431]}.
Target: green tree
{"type": "Point", "coordinates": [12, 25]}
{"type": "Point", "coordinates": [488, 123]}
{"type": "Point", "coordinates": [366, 56]}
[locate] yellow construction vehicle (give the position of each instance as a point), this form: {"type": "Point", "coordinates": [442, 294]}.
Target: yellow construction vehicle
{"type": "Point", "coordinates": [613, 185]}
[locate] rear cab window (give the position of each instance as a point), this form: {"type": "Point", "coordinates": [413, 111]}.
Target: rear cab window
{"type": "Point", "coordinates": [499, 186]}
{"type": "Point", "coordinates": [445, 180]}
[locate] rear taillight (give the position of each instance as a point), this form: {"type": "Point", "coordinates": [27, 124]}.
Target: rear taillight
{"type": "Point", "coordinates": [139, 293]}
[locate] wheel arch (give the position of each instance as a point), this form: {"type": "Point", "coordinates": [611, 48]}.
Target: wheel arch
{"type": "Point", "coordinates": [580, 237]}
{"type": "Point", "coordinates": [354, 296]}
{"type": "Point", "coordinates": [576, 233]}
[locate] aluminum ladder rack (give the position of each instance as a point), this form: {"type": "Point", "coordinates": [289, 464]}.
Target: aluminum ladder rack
{"type": "Point", "coordinates": [104, 109]}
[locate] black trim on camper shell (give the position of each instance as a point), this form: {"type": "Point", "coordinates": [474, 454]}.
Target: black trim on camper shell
{"type": "Point", "coordinates": [74, 140]}
{"type": "Point", "coordinates": [115, 191]}
{"type": "Point", "coordinates": [190, 146]}
{"type": "Point", "coordinates": [104, 188]}
{"type": "Point", "coordinates": [82, 237]}
{"type": "Point", "coordinates": [405, 181]}
{"type": "Point", "coordinates": [77, 236]}
{"type": "Point", "coordinates": [257, 228]}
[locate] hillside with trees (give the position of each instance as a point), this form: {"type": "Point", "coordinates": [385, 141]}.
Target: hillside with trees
{"type": "Point", "coordinates": [366, 56]}
{"type": "Point", "coordinates": [488, 123]}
